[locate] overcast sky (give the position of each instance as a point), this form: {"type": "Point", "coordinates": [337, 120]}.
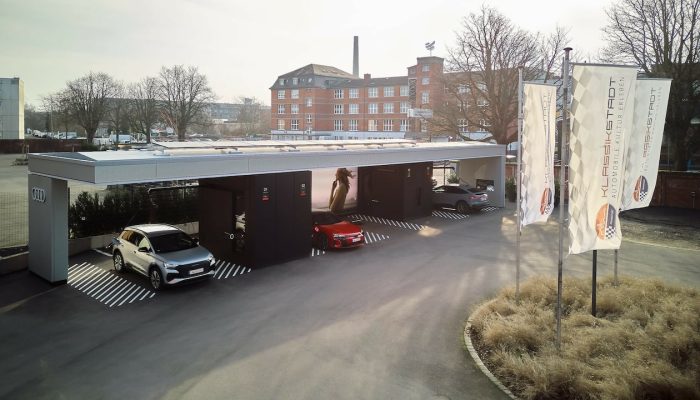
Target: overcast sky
{"type": "Point", "coordinates": [242, 46]}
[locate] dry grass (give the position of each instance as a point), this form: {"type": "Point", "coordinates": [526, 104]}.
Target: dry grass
{"type": "Point", "coordinates": [644, 344]}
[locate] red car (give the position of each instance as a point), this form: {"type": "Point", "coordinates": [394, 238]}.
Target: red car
{"type": "Point", "coordinates": [329, 231]}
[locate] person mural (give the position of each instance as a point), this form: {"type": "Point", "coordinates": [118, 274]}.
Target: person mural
{"type": "Point", "coordinates": [339, 190]}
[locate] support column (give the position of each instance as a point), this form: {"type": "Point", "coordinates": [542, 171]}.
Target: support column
{"type": "Point", "coordinates": [48, 228]}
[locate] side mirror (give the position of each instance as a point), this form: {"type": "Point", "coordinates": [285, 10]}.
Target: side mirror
{"type": "Point", "coordinates": [144, 250]}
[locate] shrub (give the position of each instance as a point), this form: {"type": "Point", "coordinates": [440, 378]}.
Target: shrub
{"type": "Point", "coordinates": [511, 192]}
{"type": "Point", "coordinates": [453, 178]}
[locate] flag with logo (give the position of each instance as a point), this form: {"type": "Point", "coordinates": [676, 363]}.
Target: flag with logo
{"type": "Point", "coordinates": [538, 137]}
{"type": "Point", "coordinates": [601, 120]}
{"type": "Point", "coordinates": [644, 148]}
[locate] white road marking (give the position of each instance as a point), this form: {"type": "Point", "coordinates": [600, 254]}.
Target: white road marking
{"type": "Point", "coordinates": [104, 253]}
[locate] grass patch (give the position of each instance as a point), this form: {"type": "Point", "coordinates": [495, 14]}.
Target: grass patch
{"type": "Point", "coordinates": [644, 344]}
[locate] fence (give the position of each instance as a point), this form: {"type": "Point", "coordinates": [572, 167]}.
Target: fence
{"type": "Point", "coordinates": [14, 229]}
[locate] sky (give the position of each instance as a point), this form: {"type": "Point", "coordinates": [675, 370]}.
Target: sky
{"type": "Point", "coordinates": [242, 46]}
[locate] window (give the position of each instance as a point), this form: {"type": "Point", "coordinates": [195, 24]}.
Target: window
{"type": "Point", "coordinates": [295, 93]}
{"type": "Point", "coordinates": [404, 107]}
{"type": "Point", "coordinates": [462, 125]}
{"type": "Point", "coordinates": [338, 125]}
{"type": "Point", "coordinates": [372, 108]}
{"type": "Point", "coordinates": [354, 109]}
{"type": "Point", "coordinates": [295, 124]}
{"type": "Point", "coordinates": [484, 123]}
{"type": "Point", "coordinates": [403, 91]}
{"type": "Point", "coordinates": [353, 125]}
{"type": "Point", "coordinates": [425, 81]}
{"type": "Point", "coordinates": [481, 86]}
{"type": "Point", "coordinates": [354, 93]}
{"type": "Point", "coordinates": [372, 125]}
{"type": "Point", "coordinates": [280, 95]}
{"type": "Point", "coordinates": [389, 91]}
{"type": "Point", "coordinates": [482, 102]}
{"type": "Point", "coordinates": [425, 97]}
{"type": "Point", "coordinates": [426, 68]}
{"type": "Point", "coordinates": [295, 108]}
{"type": "Point", "coordinates": [388, 108]}
{"type": "Point", "coordinates": [280, 124]}
{"type": "Point", "coordinates": [338, 94]}
{"type": "Point", "coordinates": [461, 89]}
{"type": "Point", "coordinates": [295, 81]}
{"type": "Point", "coordinates": [280, 109]}
{"type": "Point", "coordinates": [337, 109]}
{"type": "Point", "coordinates": [372, 92]}
{"type": "Point", "coordinates": [281, 81]}
{"type": "Point", "coordinates": [309, 118]}
{"type": "Point", "coordinates": [309, 102]}
{"type": "Point", "coordinates": [388, 125]}
{"type": "Point", "coordinates": [404, 125]}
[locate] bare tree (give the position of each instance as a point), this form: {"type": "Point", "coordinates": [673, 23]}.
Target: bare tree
{"type": "Point", "coordinates": [662, 37]}
{"type": "Point", "coordinates": [482, 78]}
{"type": "Point", "coordinates": [184, 93]}
{"type": "Point", "coordinates": [118, 113]}
{"type": "Point", "coordinates": [86, 100]}
{"type": "Point", "coordinates": [143, 99]}
{"type": "Point", "coordinates": [551, 56]}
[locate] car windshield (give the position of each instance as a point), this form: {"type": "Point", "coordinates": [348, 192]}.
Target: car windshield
{"type": "Point", "coordinates": [325, 219]}
{"type": "Point", "coordinates": [175, 241]}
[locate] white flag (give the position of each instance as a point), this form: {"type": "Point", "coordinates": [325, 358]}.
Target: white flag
{"type": "Point", "coordinates": [538, 137]}
{"type": "Point", "coordinates": [644, 148]}
{"type": "Point", "coordinates": [601, 109]}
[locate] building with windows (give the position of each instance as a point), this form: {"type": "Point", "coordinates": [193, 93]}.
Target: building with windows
{"type": "Point", "coordinates": [11, 108]}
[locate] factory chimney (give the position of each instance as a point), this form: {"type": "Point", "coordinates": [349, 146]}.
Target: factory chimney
{"type": "Point", "coordinates": [356, 58]}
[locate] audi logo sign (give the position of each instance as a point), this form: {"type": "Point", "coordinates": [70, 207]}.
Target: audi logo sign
{"type": "Point", "coordinates": [39, 195]}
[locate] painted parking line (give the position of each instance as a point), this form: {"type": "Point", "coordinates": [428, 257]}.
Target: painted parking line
{"type": "Point", "coordinates": [449, 215]}
{"type": "Point", "coordinates": [488, 209]}
{"type": "Point", "coordinates": [389, 222]}
{"type": "Point", "coordinates": [105, 286]}
{"type": "Point", "coordinates": [370, 237]}
{"type": "Point", "coordinates": [226, 270]}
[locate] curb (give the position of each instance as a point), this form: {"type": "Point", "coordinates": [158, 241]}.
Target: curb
{"type": "Point", "coordinates": [477, 359]}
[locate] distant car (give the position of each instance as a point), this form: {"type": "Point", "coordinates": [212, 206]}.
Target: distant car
{"type": "Point", "coordinates": [163, 253]}
{"type": "Point", "coordinates": [460, 197]}
{"type": "Point", "coordinates": [330, 231]}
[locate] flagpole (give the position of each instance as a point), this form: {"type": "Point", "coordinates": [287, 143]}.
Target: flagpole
{"type": "Point", "coordinates": [594, 281]}
{"type": "Point", "coordinates": [563, 143]}
{"type": "Point", "coordinates": [518, 182]}
{"type": "Point", "coordinates": [615, 282]}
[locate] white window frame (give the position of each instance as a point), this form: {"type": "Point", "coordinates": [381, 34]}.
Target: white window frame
{"type": "Point", "coordinates": [462, 125]}
{"type": "Point", "coordinates": [309, 102]}
{"type": "Point", "coordinates": [388, 108]}
{"type": "Point", "coordinates": [338, 109]}
{"type": "Point", "coordinates": [482, 102]}
{"type": "Point", "coordinates": [295, 81]}
{"type": "Point", "coordinates": [425, 97]}
{"type": "Point", "coordinates": [280, 124]}
{"type": "Point", "coordinates": [425, 81]}
{"type": "Point", "coordinates": [388, 91]}
{"type": "Point", "coordinates": [353, 108]}
{"type": "Point", "coordinates": [372, 92]}
{"type": "Point", "coordinates": [404, 106]}
{"type": "Point", "coordinates": [338, 94]}
{"type": "Point", "coordinates": [388, 125]}
{"type": "Point", "coordinates": [294, 108]}
{"type": "Point", "coordinates": [403, 91]}
{"type": "Point", "coordinates": [463, 89]}
{"type": "Point", "coordinates": [404, 125]}
{"type": "Point", "coordinates": [338, 125]}
{"type": "Point", "coordinates": [282, 81]}
{"type": "Point", "coordinates": [294, 93]}
{"type": "Point", "coordinates": [372, 125]}
{"type": "Point", "coordinates": [281, 109]}
{"type": "Point", "coordinates": [372, 108]}
{"type": "Point", "coordinates": [481, 86]}
{"type": "Point", "coordinates": [281, 94]}
{"type": "Point", "coordinates": [354, 93]}
{"type": "Point", "coordinates": [294, 125]}
{"type": "Point", "coordinates": [426, 68]}
{"type": "Point", "coordinates": [309, 118]}
{"type": "Point", "coordinates": [352, 125]}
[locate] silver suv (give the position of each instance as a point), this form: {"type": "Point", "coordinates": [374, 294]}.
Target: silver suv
{"type": "Point", "coordinates": [163, 253]}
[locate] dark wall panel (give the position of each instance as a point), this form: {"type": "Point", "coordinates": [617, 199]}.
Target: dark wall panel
{"type": "Point", "coordinates": [215, 220]}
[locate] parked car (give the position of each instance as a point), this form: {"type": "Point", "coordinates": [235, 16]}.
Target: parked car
{"type": "Point", "coordinates": [163, 253]}
{"type": "Point", "coordinates": [460, 197]}
{"type": "Point", "coordinates": [330, 231]}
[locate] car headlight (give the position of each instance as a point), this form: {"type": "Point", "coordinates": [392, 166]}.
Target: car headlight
{"type": "Point", "coordinates": [338, 236]}
{"type": "Point", "coordinates": [170, 265]}
{"type": "Point", "coordinates": [210, 258]}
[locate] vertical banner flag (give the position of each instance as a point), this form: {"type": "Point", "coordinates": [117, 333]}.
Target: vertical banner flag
{"type": "Point", "coordinates": [601, 111]}
{"type": "Point", "coordinates": [537, 183]}
{"type": "Point", "coordinates": [644, 148]}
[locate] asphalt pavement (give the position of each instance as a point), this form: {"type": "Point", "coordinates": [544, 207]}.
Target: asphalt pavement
{"type": "Point", "coordinates": [380, 322]}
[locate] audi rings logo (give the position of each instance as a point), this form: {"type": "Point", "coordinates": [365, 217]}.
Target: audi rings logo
{"type": "Point", "coordinates": [39, 195]}
{"type": "Point", "coordinates": [605, 222]}
{"type": "Point", "coordinates": [641, 188]}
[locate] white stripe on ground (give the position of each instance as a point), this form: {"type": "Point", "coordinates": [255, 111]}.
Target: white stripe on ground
{"type": "Point", "coordinates": [118, 297]}
{"type": "Point", "coordinates": [136, 296]}
{"type": "Point", "coordinates": [236, 271]}
{"type": "Point", "coordinates": [130, 293]}
{"type": "Point", "coordinates": [117, 289]}
{"type": "Point", "coordinates": [145, 294]}
{"type": "Point", "coordinates": [79, 275]}
{"type": "Point", "coordinates": [76, 266]}
{"type": "Point", "coordinates": [110, 291]}
{"type": "Point", "coordinates": [104, 253]}
{"type": "Point", "coordinates": [95, 289]}
{"type": "Point", "coordinates": [86, 277]}
{"type": "Point", "coordinates": [100, 276]}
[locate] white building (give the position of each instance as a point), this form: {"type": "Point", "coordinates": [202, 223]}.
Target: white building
{"type": "Point", "coordinates": [11, 108]}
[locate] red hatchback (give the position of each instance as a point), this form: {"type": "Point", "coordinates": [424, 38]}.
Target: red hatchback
{"type": "Point", "coordinates": [331, 232]}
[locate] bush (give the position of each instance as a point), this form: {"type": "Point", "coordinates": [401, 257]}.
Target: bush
{"type": "Point", "coordinates": [453, 178]}
{"type": "Point", "coordinates": [511, 192]}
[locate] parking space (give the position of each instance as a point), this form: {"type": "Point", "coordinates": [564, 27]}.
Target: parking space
{"type": "Point", "coordinates": [226, 270]}
{"type": "Point", "coordinates": [106, 286]}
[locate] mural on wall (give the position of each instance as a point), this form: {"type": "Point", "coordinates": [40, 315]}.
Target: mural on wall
{"type": "Point", "coordinates": [334, 189]}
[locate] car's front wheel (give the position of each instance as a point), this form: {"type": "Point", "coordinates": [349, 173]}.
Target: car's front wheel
{"type": "Point", "coordinates": [156, 278]}
{"type": "Point", "coordinates": [462, 207]}
{"type": "Point", "coordinates": [118, 262]}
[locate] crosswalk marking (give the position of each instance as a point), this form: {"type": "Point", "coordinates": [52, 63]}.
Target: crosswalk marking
{"type": "Point", "coordinates": [105, 286]}
{"type": "Point", "coordinates": [489, 209]}
{"type": "Point", "coordinates": [449, 215]}
{"type": "Point", "coordinates": [225, 270]}
{"type": "Point", "coordinates": [389, 222]}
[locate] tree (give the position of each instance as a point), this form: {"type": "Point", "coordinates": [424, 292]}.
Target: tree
{"type": "Point", "coordinates": [184, 93]}
{"type": "Point", "coordinates": [662, 37]}
{"type": "Point", "coordinates": [118, 113]}
{"type": "Point", "coordinates": [250, 115]}
{"type": "Point", "coordinates": [482, 79]}
{"type": "Point", "coordinates": [86, 100]}
{"type": "Point", "coordinates": [144, 105]}
{"type": "Point", "coordinates": [33, 119]}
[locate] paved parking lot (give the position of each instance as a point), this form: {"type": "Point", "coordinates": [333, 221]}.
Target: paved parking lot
{"type": "Point", "coordinates": [379, 322]}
